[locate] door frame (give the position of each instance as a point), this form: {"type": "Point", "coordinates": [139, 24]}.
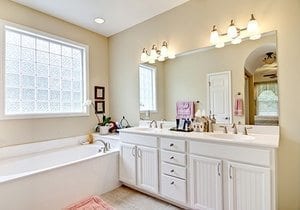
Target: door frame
{"type": "Point", "coordinates": [229, 92]}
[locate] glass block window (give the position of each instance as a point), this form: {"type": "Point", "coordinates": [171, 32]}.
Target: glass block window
{"type": "Point", "coordinates": [147, 88]}
{"type": "Point", "coordinates": [42, 75]}
{"type": "Point", "coordinates": [267, 99]}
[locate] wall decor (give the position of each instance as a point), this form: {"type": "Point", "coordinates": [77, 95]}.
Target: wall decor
{"type": "Point", "coordinates": [99, 107]}
{"type": "Point", "coordinates": [99, 92]}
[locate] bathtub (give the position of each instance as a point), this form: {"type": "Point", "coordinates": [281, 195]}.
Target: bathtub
{"type": "Point", "coordinates": [53, 174]}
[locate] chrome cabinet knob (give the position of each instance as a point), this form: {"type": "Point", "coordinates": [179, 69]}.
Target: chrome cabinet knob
{"type": "Point", "coordinates": [171, 145]}
{"type": "Point", "coordinates": [172, 158]}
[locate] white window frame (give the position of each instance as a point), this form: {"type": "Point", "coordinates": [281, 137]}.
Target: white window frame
{"type": "Point", "coordinates": [154, 86]}
{"type": "Point", "coordinates": [48, 36]}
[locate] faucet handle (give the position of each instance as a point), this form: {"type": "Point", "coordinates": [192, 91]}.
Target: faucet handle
{"type": "Point", "coordinates": [246, 130]}
{"type": "Point", "coordinates": [225, 128]}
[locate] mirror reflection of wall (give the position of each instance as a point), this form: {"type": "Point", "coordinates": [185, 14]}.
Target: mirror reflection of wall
{"type": "Point", "coordinates": [185, 78]}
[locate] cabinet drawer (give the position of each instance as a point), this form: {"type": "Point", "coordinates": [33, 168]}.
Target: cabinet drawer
{"type": "Point", "coordinates": [244, 154]}
{"type": "Point", "coordinates": [173, 144]}
{"type": "Point", "coordinates": [144, 140]}
{"type": "Point", "coordinates": [173, 188]}
{"type": "Point", "coordinates": [173, 157]}
{"type": "Point", "coordinates": [173, 170]}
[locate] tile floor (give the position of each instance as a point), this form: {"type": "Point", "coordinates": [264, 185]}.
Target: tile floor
{"type": "Point", "coordinates": [124, 198]}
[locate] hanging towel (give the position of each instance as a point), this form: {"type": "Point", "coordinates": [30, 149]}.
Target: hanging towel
{"type": "Point", "coordinates": [238, 106]}
{"type": "Point", "coordinates": [184, 109]}
{"type": "Point", "coordinates": [90, 203]}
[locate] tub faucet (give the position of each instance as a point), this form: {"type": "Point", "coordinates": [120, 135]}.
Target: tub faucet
{"type": "Point", "coordinates": [155, 124]}
{"type": "Point", "coordinates": [106, 145]}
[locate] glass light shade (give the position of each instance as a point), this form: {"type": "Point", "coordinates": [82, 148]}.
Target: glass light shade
{"type": "Point", "coordinates": [232, 31]}
{"type": "Point", "coordinates": [161, 58]}
{"type": "Point", "coordinates": [214, 37]}
{"type": "Point", "coordinates": [153, 54]}
{"type": "Point", "coordinates": [220, 45]}
{"type": "Point", "coordinates": [237, 40]}
{"type": "Point", "coordinates": [171, 55]}
{"type": "Point", "coordinates": [151, 60]}
{"type": "Point", "coordinates": [252, 27]}
{"type": "Point", "coordinates": [144, 57]}
{"type": "Point", "coordinates": [164, 51]}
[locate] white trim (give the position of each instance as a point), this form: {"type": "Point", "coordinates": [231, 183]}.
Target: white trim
{"type": "Point", "coordinates": [43, 35]}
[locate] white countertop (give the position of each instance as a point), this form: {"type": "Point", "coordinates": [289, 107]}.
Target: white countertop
{"type": "Point", "coordinates": [269, 140]}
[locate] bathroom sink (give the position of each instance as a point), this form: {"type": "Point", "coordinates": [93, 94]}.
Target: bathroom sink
{"type": "Point", "coordinates": [229, 136]}
{"type": "Point", "coordinates": [145, 129]}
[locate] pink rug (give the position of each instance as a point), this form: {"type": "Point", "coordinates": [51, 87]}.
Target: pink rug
{"type": "Point", "coordinates": [90, 203]}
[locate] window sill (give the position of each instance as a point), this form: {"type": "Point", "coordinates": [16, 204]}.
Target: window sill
{"type": "Point", "coordinates": [42, 116]}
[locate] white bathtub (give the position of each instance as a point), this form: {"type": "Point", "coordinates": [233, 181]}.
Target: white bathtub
{"type": "Point", "coordinates": [53, 174]}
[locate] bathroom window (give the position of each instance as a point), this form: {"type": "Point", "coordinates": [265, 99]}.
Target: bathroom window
{"type": "Point", "coordinates": [43, 74]}
{"type": "Point", "coordinates": [267, 99]}
{"type": "Point", "coordinates": [147, 88]}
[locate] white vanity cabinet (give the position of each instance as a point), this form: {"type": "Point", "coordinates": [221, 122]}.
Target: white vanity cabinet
{"type": "Point", "coordinates": [196, 171]}
{"type": "Point", "coordinates": [139, 161]}
{"type": "Point", "coordinates": [220, 171]}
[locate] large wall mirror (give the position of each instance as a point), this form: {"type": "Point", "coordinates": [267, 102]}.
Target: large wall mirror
{"type": "Point", "coordinates": [251, 83]}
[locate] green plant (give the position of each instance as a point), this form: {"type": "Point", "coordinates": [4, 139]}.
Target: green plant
{"type": "Point", "coordinates": [105, 120]}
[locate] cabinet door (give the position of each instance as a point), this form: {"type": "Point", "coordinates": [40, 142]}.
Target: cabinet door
{"type": "Point", "coordinates": [147, 168]}
{"type": "Point", "coordinates": [128, 163]}
{"type": "Point", "coordinates": [248, 187]}
{"type": "Point", "coordinates": [205, 183]}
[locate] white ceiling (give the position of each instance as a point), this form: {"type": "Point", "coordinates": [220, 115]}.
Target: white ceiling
{"type": "Point", "coordinates": [118, 14]}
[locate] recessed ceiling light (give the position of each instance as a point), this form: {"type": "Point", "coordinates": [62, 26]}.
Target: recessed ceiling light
{"type": "Point", "coordinates": [99, 20]}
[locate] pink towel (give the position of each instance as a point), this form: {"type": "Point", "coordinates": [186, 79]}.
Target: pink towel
{"type": "Point", "coordinates": [184, 110]}
{"type": "Point", "coordinates": [238, 107]}
{"type": "Point", "coordinates": [90, 203]}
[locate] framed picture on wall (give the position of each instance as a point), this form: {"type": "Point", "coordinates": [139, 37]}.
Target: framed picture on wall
{"type": "Point", "coordinates": [100, 107]}
{"type": "Point", "coordinates": [99, 92]}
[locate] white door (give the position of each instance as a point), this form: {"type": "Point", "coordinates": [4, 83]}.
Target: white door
{"type": "Point", "coordinates": [249, 187]}
{"type": "Point", "coordinates": [219, 96]}
{"type": "Point", "coordinates": [128, 163]}
{"type": "Point", "coordinates": [147, 168]}
{"type": "Point", "coordinates": [206, 183]}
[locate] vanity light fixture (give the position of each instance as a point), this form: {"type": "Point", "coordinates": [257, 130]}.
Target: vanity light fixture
{"type": "Point", "coordinates": [161, 55]}
{"type": "Point", "coordinates": [235, 34]}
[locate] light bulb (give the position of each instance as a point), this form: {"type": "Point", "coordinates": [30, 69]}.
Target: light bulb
{"type": "Point", "coordinates": [164, 49]}
{"type": "Point", "coordinates": [153, 53]}
{"type": "Point", "coordinates": [214, 36]}
{"type": "Point", "coordinates": [232, 31]}
{"type": "Point", "coordinates": [220, 44]}
{"type": "Point", "coordinates": [161, 58]}
{"type": "Point", "coordinates": [237, 40]}
{"type": "Point", "coordinates": [144, 56]}
{"type": "Point", "coordinates": [171, 55]}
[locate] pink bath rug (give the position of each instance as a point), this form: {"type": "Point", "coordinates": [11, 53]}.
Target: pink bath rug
{"type": "Point", "coordinates": [90, 203]}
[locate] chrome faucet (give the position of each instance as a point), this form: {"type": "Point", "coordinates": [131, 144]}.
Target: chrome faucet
{"type": "Point", "coordinates": [246, 130]}
{"type": "Point", "coordinates": [235, 131]}
{"type": "Point", "coordinates": [155, 124]}
{"type": "Point", "coordinates": [106, 145]}
{"type": "Point", "coordinates": [225, 128]}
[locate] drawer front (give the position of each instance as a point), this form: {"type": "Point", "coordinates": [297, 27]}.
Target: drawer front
{"type": "Point", "coordinates": [137, 139]}
{"type": "Point", "coordinates": [231, 152]}
{"type": "Point", "coordinates": [173, 170]}
{"type": "Point", "coordinates": [173, 157]}
{"type": "Point", "coordinates": [173, 144]}
{"type": "Point", "coordinates": [173, 188]}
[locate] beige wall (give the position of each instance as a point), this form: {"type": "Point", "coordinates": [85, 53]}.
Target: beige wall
{"type": "Point", "coordinates": [187, 27]}
{"type": "Point", "coordinates": [23, 131]}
